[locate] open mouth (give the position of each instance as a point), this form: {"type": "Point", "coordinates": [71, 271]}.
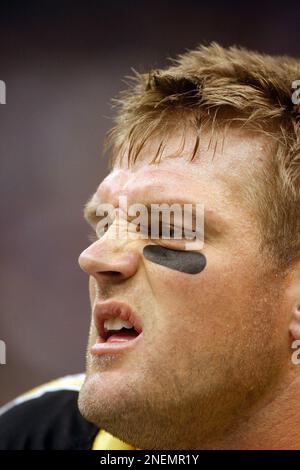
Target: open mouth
{"type": "Point", "coordinates": [117, 330]}
{"type": "Point", "coordinates": [118, 327]}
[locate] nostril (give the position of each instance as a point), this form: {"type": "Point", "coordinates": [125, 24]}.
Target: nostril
{"type": "Point", "coordinates": [111, 275]}
{"type": "Point", "coordinates": [102, 265]}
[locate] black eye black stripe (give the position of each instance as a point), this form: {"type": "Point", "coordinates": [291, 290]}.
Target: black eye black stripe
{"type": "Point", "coordinates": [189, 262]}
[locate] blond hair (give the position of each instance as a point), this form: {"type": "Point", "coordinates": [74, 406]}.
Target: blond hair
{"type": "Point", "coordinates": [215, 86]}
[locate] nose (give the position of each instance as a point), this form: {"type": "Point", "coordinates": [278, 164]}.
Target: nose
{"type": "Point", "coordinates": [108, 262]}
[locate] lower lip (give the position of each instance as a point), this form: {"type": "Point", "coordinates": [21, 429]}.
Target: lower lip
{"type": "Point", "coordinates": [105, 347]}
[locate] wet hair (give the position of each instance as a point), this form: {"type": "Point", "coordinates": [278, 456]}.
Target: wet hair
{"type": "Point", "coordinates": [212, 88]}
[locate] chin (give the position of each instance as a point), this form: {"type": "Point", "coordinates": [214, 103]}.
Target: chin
{"type": "Point", "coordinates": [109, 413]}
{"type": "Point", "coordinates": [104, 401]}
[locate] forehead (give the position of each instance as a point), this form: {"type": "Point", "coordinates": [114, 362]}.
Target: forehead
{"type": "Point", "coordinates": [207, 179]}
{"type": "Point", "coordinates": [169, 179]}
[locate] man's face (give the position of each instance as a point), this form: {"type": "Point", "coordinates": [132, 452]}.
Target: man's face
{"type": "Point", "coordinates": [213, 343]}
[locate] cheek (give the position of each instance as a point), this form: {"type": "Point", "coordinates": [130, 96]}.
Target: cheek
{"type": "Point", "coordinates": [211, 302]}
{"type": "Point", "coordinates": [180, 296]}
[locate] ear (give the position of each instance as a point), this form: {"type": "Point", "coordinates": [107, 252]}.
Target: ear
{"type": "Point", "coordinates": [294, 303]}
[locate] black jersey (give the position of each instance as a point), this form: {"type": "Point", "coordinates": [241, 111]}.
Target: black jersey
{"type": "Point", "coordinates": [48, 418]}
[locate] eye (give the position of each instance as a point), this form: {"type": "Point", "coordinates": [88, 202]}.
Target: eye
{"type": "Point", "coordinates": [164, 231]}
{"type": "Point", "coordinates": [173, 244]}
{"type": "Point", "coordinates": [176, 238]}
{"type": "Point", "coordinates": [164, 234]}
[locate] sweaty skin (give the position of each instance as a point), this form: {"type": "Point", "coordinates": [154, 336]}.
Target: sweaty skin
{"type": "Point", "coordinates": [188, 262]}
{"type": "Point", "coordinates": [213, 367]}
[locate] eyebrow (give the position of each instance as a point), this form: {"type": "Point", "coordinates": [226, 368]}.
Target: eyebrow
{"type": "Point", "coordinates": [90, 208]}
{"type": "Point", "coordinates": [214, 225]}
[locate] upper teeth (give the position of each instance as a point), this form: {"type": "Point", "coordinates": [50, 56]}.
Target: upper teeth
{"type": "Point", "coordinates": [116, 324]}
